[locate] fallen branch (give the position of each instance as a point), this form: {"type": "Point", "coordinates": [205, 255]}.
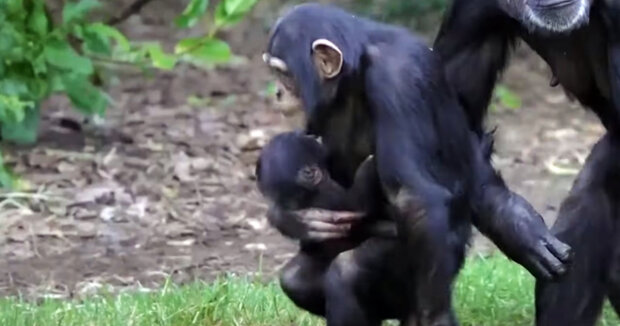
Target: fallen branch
{"type": "Point", "coordinates": [133, 9]}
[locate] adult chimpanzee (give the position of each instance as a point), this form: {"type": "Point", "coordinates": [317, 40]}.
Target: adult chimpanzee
{"type": "Point", "coordinates": [363, 269]}
{"type": "Point", "coordinates": [580, 40]}
{"type": "Point", "coordinates": [373, 88]}
{"type": "Point", "coordinates": [591, 209]}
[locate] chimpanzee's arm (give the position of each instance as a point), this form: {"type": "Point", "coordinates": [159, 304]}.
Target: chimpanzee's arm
{"type": "Point", "coordinates": [365, 195]}
{"type": "Point", "coordinates": [381, 228]}
{"type": "Point", "coordinates": [512, 223]}
{"type": "Point", "coordinates": [406, 152]}
{"type": "Point", "coordinates": [474, 41]}
{"type": "Point", "coordinates": [612, 15]}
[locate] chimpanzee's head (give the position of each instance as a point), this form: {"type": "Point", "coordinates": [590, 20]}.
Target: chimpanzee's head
{"type": "Point", "coordinates": [291, 168]}
{"type": "Point", "coordinates": [549, 16]}
{"type": "Point", "coordinates": [313, 49]}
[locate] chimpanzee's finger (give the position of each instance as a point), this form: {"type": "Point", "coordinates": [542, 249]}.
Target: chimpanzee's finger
{"type": "Point", "coordinates": [552, 263]}
{"type": "Point", "coordinates": [561, 250]}
{"type": "Point", "coordinates": [346, 217]}
{"type": "Point", "coordinates": [318, 236]}
{"type": "Point", "coordinates": [538, 270]}
{"type": "Point", "coordinates": [336, 217]}
{"type": "Point", "coordinates": [315, 215]}
{"type": "Point", "coordinates": [319, 226]}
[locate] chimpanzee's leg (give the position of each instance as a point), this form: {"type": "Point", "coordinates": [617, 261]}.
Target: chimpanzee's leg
{"type": "Point", "coordinates": [343, 305]}
{"type": "Point", "coordinates": [576, 299]}
{"type": "Point", "coordinates": [302, 281]}
{"type": "Point", "coordinates": [613, 286]}
{"type": "Point", "coordinates": [586, 223]}
{"type": "Point", "coordinates": [365, 285]}
{"type": "Point", "coordinates": [435, 243]}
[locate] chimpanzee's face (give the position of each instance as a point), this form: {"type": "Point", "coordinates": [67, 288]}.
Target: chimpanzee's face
{"type": "Point", "coordinates": [319, 84]}
{"type": "Point", "coordinates": [550, 16]}
{"type": "Point", "coordinates": [291, 168]}
{"type": "Point", "coordinates": [287, 93]}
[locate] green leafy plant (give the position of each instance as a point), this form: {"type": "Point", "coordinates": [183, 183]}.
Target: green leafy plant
{"type": "Point", "coordinates": [207, 49]}
{"type": "Point", "coordinates": [504, 97]}
{"type": "Point", "coordinates": [38, 59]}
{"type": "Point", "coordinates": [40, 56]}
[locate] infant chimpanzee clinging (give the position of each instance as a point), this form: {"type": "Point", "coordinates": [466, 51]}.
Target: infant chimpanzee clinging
{"type": "Point", "coordinates": [364, 268]}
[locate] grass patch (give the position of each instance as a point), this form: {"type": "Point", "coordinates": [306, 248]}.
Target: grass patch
{"type": "Point", "coordinates": [489, 292]}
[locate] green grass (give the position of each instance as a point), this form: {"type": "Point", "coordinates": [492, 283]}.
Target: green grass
{"type": "Point", "coordinates": [489, 292]}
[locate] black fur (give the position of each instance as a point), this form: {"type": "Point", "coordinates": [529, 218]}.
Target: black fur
{"type": "Point", "coordinates": [589, 219]}
{"type": "Point", "coordinates": [475, 40]}
{"type": "Point", "coordinates": [363, 269]}
{"type": "Point", "coordinates": [393, 100]}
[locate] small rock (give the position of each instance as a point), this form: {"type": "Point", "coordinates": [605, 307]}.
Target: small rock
{"type": "Point", "coordinates": [181, 243]}
{"type": "Point", "coordinates": [138, 209]}
{"type": "Point", "coordinates": [255, 140]}
{"type": "Point", "coordinates": [107, 213]}
{"type": "Point", "coordinates": [182, 167]}
{"type": "Point", "coordinates": [257, 224]}
{"type": "Point", "coordinates": [255, 247]}
{"type": "Point", "coordinates": [200, 164]}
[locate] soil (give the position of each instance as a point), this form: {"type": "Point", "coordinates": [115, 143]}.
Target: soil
{"type": "Point", "coordinates": [164, 187]}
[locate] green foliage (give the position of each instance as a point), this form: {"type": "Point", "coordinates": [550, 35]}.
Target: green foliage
{"type": "Point", "coordinates": [8, 179]}
{"type": "Point", "coordinates": [77, 11]}
{"type": "Point", "coordinates": [24, 130]}
{"type": "Point", "coordinates": [504, 97]}
{"type": "Point", "coordinates": [192, 13]}
{"type": "Point", "coordinates": [488, 292]}
{"type": "Point", "coordinates": [39, 57]}
{"type": "Point", "coordinates": [207, 50]}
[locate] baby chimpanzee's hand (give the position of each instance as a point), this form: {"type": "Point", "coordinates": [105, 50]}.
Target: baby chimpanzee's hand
{"type": "Point", "coordinates": [313, 224]}
{"type": "Point", "coordinates": [324, 225]}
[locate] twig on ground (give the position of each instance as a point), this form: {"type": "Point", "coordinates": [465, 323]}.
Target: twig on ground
{"type": "Point", "coordinates": [32, 196]}
{"type": "Point", "coordinates": [133, 9]}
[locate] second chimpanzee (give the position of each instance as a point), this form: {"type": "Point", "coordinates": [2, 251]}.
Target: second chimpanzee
{"type": "Point", "coordinates": [592, 209]}
{"type": "Point", "coordinates": [580, 40]}
{"type": "Point", "coordinates": [363, 269]}
{"type": "Point", "coordinates": [373, 88]}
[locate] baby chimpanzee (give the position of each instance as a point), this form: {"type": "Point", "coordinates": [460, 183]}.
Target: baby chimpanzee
{"type": "Point", "coordinates": [364, 268]}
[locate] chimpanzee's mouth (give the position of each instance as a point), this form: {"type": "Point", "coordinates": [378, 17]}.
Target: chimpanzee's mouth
{"type": "Point", "coordinates": [550, 5]}
{"type": "Point", "coordinates": [558, 16]}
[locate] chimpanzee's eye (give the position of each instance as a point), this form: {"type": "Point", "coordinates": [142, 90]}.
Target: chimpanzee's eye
{"type": "Point", "coordinates": [287, 81]}
{"type": "Point", "coordinates": [310, 175]}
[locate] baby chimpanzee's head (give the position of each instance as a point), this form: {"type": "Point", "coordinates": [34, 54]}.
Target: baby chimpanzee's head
{"type": "Point", "coordinates": [290, 169]}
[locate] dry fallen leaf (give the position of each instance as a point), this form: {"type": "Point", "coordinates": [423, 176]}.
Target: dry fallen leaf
{"type": "Point", "coordinates": [96, 192]}
{"type": "Point", "coordinates": [182, 167]}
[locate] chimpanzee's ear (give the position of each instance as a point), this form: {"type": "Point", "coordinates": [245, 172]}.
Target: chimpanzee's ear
{"type": "Point", "coordinates": [274, 62]}
{"type": "Point", "coordinates": [327, 58]}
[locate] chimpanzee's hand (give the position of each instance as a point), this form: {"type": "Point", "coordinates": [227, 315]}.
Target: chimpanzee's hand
{"type": "Point", "coordinates": [323, 225]}
{"type": "Point", "coordinates": [523, 236]}
{"type": "Point", "coordinates": [313, 224]}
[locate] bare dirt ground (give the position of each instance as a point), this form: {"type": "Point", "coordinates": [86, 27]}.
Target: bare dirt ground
{"type": "Point", "coordinates": [166, 188]}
